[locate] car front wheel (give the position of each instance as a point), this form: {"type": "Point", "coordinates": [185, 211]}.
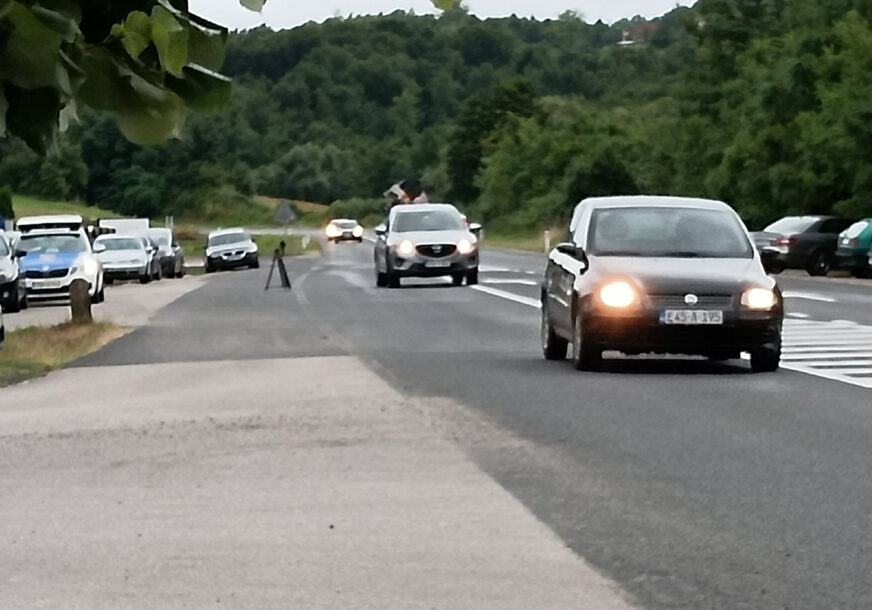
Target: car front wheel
{"type": "Point", "coordinates": [585, 356]}
{"type": "Point", "coordinates": [553, 346]}
{"type": "Point", "coordinates": [819, 264]}
{"type": "Point", "coordinates": [472, 277]}
{"type": "Point", "coordinates": [766, 359]}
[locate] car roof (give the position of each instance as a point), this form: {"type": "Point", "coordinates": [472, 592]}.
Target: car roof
{"type": "Point", "coordinates": [108, 236]}
{"type": "Point", "coordinates": [422, 207]}
{"type": "Point", "coordinates": [49, 232]}
{"type": "Point", "coordinates": [655, 201]}
{"type": "Point", "coordinates": [218, 232]}
{"type": "Point", "coordinates": [53, 218]}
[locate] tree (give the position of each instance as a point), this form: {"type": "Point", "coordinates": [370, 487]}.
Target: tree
{"type": "Point", "coordinates": [146, 61]}
{"type": "Point", "coordinates": [6, 209]}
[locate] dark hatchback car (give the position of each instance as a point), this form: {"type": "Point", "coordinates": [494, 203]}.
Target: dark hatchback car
{"type": "Point", "coordinates": [801, 242]}
{"type": "Point", "coordinates": [660, 275]}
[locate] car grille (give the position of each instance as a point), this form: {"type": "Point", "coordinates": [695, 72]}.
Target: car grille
{"type": "Point", "coordinates": [437, 250]}
{"type": "Point", "coordinates": [233, 254]}
{"type": "Point", "coordinates": [677, 302]}
{"type": "Point", "coordinates": [44, 275]}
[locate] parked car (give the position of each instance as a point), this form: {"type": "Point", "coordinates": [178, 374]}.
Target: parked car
{"type": "Point", "coordinates": [54, 258]}
{"type": "Point", "coordinates": [802, 242]}
{"type": "Point", "coordinates": [124, 257]}
{"type": "Point", "coordinates": [665, 275]}
{"type": "Point", "coordinates": [344, 229]}
{"type": "Point", "coordinates": [853, 249]}
{"type": "Point", "coordinates": [69, 222]}
{"type": "Point", "coordinates": [172, 257]}
{"type": "Point", "coordinates": [230, 249]}
{"type": "Point", "coordinates": [153, 257]}
{"type": "Point", "coordinates": [13, 289]}
{"type": "Point", "coordinates": [2, 329]}
{"type": "Point", "coordinates": [426, 240]}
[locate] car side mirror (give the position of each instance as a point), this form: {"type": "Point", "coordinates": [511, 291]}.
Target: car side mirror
{"type": "Point", "coordinates": [568, 248]}
{"type": "Point", "coordinates": [381, 230]}
{"type": "Point", "coordinates": [99, 249]}
{"type": "Point", "coordinates": [20, 254]}
{"type": "Point", "coordinates": [475, 228]}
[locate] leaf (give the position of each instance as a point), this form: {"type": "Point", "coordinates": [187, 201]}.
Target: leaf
{"type": "Point", "coordinates": [206, 43]}
{"type": "Point", "coordinates": [30, 56]}
{"type": "Point", "coordinates": [5, 7]}
{"type": "Point", "coordinates": [136, 33]}
{"type": "Point", "coordinates": [104, 88]}
{"type": "Point", "coordinates": [170, 39]}
{"type": "Point", "coordinates": [152, 124]}
{"type": "Point", "coordinates": [65, 24]}
{"type": "Point", "coordinates": [33, 116]}
{"type": "Point", "coordinates": [203, 90]}
{"type": "Point", "coordinates": [253, 5]}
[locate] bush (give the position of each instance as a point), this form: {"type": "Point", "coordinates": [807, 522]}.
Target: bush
{"type": "Point", "coordinates": [6, 209]}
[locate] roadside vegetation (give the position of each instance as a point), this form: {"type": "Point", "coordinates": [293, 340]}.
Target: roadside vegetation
{"type": "Point", "coordinates": [36, 351]}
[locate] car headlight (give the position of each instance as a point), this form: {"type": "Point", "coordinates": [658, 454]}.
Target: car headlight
{"type": "Point", "coordinates": [464, 246]}
{"type": "Point", "coordinates": [90, 266]}
{"type": "Point", "coordinates": [252, 248]}
{"type": "Point", "coordinates": [358, 231]}
{"type": "Point", "coordinates": [761, 299]}
{"type": "Point", "coordinates": [406, 248]}
{"type": "Point", "coordinates": [618, 295]}
{"type": "Point", "coordinates": [332, 231]}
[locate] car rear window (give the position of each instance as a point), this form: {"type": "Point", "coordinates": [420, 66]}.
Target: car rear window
{"type": "Point", "coordinates": [346, 224]}
{"type": "Point", "coordinates": [668, 232]}
{"type": "Point", "coordinates": [119, 244]}
{"type": "Point", "coordinates": [856, 229]}
{"type": "Point", "coordinates": [791, 225]}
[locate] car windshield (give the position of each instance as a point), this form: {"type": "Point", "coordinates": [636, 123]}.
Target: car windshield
{"type": "Point", "coordinates": [791, 225]}
{"type": "Point", "coordinates": [52, 244]}
{"type": "Point", "coordinates": [670, 232]}
{"type": "Point", "coordinates": [120, 243]}
{"type": "Point", "coordinates": [427, 220]}
{"type": "Point", "coordinates": [346, 224]}
{"type": "Point", "coordinates": [227, 239]}
{"type": "Point", "coordinates": [856, 229]}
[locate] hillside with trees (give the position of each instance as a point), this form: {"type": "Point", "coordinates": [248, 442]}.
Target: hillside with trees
{"type": "Point", "coordinates": [760, 102]}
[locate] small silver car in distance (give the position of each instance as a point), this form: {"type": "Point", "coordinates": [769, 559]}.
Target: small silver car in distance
{"type": "Point", "coordinates": [229, 249]}
{"type": "Point", "coordinates": [426, 240]}
{"type": "Point", "coordinates": [124, 257]}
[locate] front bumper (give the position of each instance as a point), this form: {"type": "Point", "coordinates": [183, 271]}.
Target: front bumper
{"type": "Point", "coordinates": [231, 262]}
{"type": "Point", "coordinates": [51, 289]}
{"type": "Point", "coordinates": [347, 236]}
{"type": "Point", "coordinates": [124, 272]}
{"type": "Point", "coordinates": [852, 259]}
{"type": "Point", "coordinates": [741, 331]}
{"type": "Point", "coordinates": [418, 265]}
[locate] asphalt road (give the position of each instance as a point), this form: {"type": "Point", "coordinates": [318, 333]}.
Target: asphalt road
{"type": "Point", "coordinates": [690, 484]}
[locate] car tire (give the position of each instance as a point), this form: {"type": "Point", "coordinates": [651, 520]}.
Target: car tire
{"type": "Point", "coordinates": [862, 273]}
{"type": "Point", "coordinates": [766, 359]}
{"type": "Point", "coordinates": [457, 279]}
{"type": "Point", "coordinates": [472, 277]}
{"type": "Point", "coordinates": [14, 303]}
{"type": "Point", "coordinates": [776, 268]}
{"type": "Point", "coordinates": [381, 279]}
{"type": "Point", "coordinates": [254, 265]}
{"type": "Point", "coordinates": [554, 346]}
{"type": "Point", "coordinates": [99, 296]}
{"type": "Point", "coordinates": [585, 356]}
{"type": "Point", "coordinates": [109, 281]}
{"type": "Point", "coordinates": [145, 279]}
{"type": "Point", "coordinates": [819, 264]}
{"type": "Point", "coordinates": [394, 280]}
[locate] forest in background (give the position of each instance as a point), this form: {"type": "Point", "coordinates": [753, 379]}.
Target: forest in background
{"type": "Point", "coordinates": [762, 103]}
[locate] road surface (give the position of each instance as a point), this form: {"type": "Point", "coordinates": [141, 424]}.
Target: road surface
{"type": "Point", "coordinates": [680, 483]}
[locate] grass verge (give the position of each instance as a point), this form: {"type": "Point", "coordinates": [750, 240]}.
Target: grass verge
{"type": "Point", "coordinates": [532, 241]}
{"type": "Point", "coordinates": [38, 350]}
{"type": "Point", "coordinates": [32, 206]}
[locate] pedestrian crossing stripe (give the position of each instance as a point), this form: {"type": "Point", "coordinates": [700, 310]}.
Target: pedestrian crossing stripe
{"type": "Point", "coordinates": [840, 350]}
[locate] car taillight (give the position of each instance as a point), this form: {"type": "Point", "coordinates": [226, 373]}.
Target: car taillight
{"type": "Point", "coordinates": [787, 241]}
{"type": "Point", "coordinates": [854, 243]}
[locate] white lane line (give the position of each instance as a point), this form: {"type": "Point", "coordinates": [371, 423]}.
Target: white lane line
{"type": "Point", "coordinates": [517, 282]}
{"type": "Point", "coordinates": [484, 268]}
{"type": "Point", "coordinates": [799, 316]}
{"type": "Point", "coordinates": [508, 296]}
{"type": "Point", "coordinates": [808, 296]}
{"type": "Point", "coordinates": [835, 356]}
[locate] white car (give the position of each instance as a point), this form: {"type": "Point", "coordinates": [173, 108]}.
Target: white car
{"type": "Point", "coordinates": [57, 257]}
{"type": "Point", "coordinates": [229, 249]}
{"type": "Point", "coordinates": [124, 257]}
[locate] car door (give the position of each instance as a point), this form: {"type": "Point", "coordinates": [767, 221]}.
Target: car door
{"type": "Point", "coordinates": [829, 233]}
{"type": "Point", "coordinates": [560, 275]}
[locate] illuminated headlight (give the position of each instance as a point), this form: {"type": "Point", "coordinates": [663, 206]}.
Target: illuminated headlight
{"type": "Point", "coordinates": [90, 266]}
{"type": "Point", "coordinates": [252, 248]}
{"type": "Point", "coordinates": [332, 231]}
{"type": "Point", "coordinates": [617, 295]}
{"type": "Point", "coordinates": [358, 231]}
{"type": "Point", "coordinates": [762, 299]}
{"type": "Point", "coordinates": [464, 246]}
{"type": "Point", "coordinates": [406, 248]}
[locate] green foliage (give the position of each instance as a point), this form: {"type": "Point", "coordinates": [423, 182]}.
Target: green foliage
{"type": "Point", "coordinates": [369, 212]}
{"type": "Point", "coordinates": [147, 61]}
{"type": "Point", "coordinates": [7, 211]}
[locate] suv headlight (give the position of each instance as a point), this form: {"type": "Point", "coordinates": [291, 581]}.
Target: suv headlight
{"type": "Point", "coordinates": [760, 299]}
{"type": "Point", "coordinates": [358, 231]}
{"type": "Point", "coordinates": [89, 266]}
{"type": "Point", "coordinates": [618, 295]}
{"type": "Point", "coordinates": [464, 246]}
{"type": "Point", "coordinates": [406, 248]}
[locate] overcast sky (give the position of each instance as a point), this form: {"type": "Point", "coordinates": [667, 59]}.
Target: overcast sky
{"type": "Point", "coordinates": [288, 13]}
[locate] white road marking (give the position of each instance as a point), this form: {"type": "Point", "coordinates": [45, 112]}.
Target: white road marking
{"type": "Point", "coordinates": [510, 281]}
{"type": "Point", "coordinates": [799, 316]}
{"type": "Point", "coordinates": [808, 296]}
{"type": "Point", "coordinates": [508, 296]}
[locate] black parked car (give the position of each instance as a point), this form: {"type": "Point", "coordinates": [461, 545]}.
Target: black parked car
{"type": "Point", "coordinates": [659, 275]}
{"type": "Point", "coordinates": [801, 242]}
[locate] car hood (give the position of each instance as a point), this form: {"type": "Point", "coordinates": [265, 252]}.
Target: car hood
{"type": "Point", "coordinates": [681, 275]}
{"type": "Point", "coordinates": [6, 265]}
{"type": "Point", "coordinates": [49, 262]}
{"type": "Point", "coordinates": [431, 237]}
{"type": "Point", "coordinates": [122, 256]}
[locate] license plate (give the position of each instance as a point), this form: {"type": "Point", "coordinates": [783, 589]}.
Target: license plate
{"type": "Point", "coordinates": [438, 264]}
{"type": "Point", "coordinates": [46, 284]}
{"type": "Point", "coordinates": [692, 317]}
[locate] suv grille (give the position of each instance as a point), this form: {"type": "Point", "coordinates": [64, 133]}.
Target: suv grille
{"type": "Point", "coordinates": [437, 250]}
{"type": "Point", "coordinates": [43, 275]}
{"type": "Point", "coordinates": [660, 301]}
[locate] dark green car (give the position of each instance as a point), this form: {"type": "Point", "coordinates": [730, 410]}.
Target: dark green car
{"type": "Point", "coordinates": [852, 252]}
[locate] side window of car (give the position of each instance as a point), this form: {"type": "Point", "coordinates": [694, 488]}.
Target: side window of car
{"type": "Point", "coordinates": [833, 225]}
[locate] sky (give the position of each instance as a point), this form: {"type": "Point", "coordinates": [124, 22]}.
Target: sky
{"type": "Point", "coordinates": [280, 14]}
